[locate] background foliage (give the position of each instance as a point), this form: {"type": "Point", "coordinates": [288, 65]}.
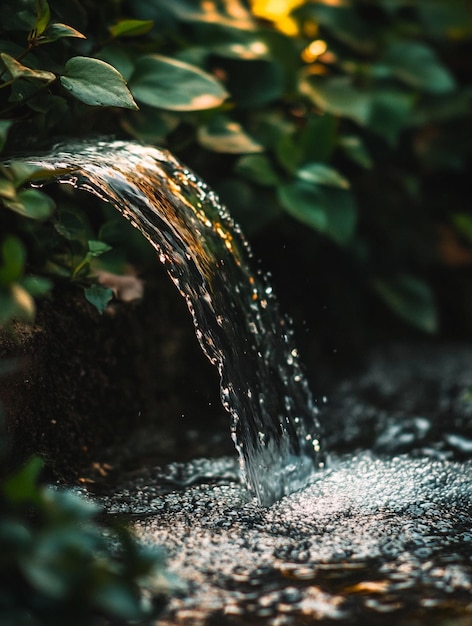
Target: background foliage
{"type": "Point", "coordinates": [338, 132]}
{"type": "Point", "coordinates": [345, 122]}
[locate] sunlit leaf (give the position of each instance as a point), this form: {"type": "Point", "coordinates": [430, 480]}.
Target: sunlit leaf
{"type": "Point", "coordinates": [43, 15]}
{"type": "Point", "coordinates": [58, 31]}
{"type": "Point", "coordinates": [131, 28]}
{"type": "Point", "coordinates": [7, 189]}
{"type": "Point", "coordinates": [166, 83]}
{"type": "Point", "coordinates": [322, 174]}
{"type": "Point", "coordinates": [32, 203]}
{"type": "Point", "coordinates": [18, 70]}
{"type": "Point", "coordinates": [98, 296]}
{"type": "Point", "coordinates": [338, 96]}
{"type": "Point", "coordinates": [411, 299]}
{"type": "Point", "coordinates": [222, 134]}
{"type": "Point", "coordinates": [96, 83]}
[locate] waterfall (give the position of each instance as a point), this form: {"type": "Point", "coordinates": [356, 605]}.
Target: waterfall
{"type": "Point", "coordinates": [236, 315]}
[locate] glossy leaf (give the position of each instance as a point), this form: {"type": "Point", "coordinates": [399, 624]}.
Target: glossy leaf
{"type": "Point", "coordinates": [43, 15]}
{"type": "Point", "coordinates": [338, 96]}
{"type": "Point", "coordinates": [119, 58]}
{"type": "Point", "coordinates": [258, 168]}
{"type": "Point", "coordinates": [97, 248]}
{"type": "Point", "coordinates": [58, 31]}
{"type": "Point", "coordinates": [222, 134]}
{"type": "Point", "coordinates": [328, 210]}
{"type": "Point", "coordinates": [166, 83]}
{"type": "Point", "coordinates": [131, 28]}
{"type": "Point", "coordinates": [32, 203]}
{"type": "Point", "coordinates": [18, 70]}
{"type": "Point", "coordinates": [98, 296]}
{"type": "Point", "coordinates": [417, 64]}
{"type": "Point", "coordinates": [7, 189]}
{"type": "Point", "coordinates": [411, 299]}
{"type": "Point", "coordinates": [96, 83]}
{"type": "Point", "coordinates": [321, 174]}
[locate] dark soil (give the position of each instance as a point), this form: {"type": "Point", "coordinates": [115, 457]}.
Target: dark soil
{"type": "Point", "coordinates": [86, 381]}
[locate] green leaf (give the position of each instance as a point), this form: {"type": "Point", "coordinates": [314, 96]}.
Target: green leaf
{"type": "Point", "coordinates": [13, 255]}
{"type": "Point", "coordinates": [131, 28]}
{"type": "Point", "coordinates": [58, 31]}
{"type": "Point", "coordinates": [97, 248]}
{"type": "Point", "coordinates": [463, 224]}
{"type": "Point", "coordinates": [288, 151]}
{"type": "Point", "coordinates": [411, 299]}
{"type": "Point", "coordinates": [23, 486]}
{"type": "Point", "coordinates": [98, 296]}
{"type": "Point", "coordinates": [32, 203]}
{"type": "Point", "coordinates": [73, 224]}
{"type": "Point", "coordinates": [321, 174]}
{"type": "Point", "coordinates": [7, 189]}
{"type": "Point", "coordinates": [342, 20]}
{"type": "Point", "coordinates": [222, 134]}
{"type": "Point", "coordinates": [417, 65]}
{"type": "Point", "coordinates": [328, 210]}
{"type": "Point", "coordinates": [37, 285]}
{"type": "Point", "coordinates": [354, 148]}
{"type": "Point", "coordinates": [96, 83]}
{"type": "Point", "coordinates": [252, 83]}
{"type": "Point", "coordinates": [43, 15]}
{"type": "Point", "coordinates": [119, 58]}
{"type": "Point", "coordinates": [166, 83]}
{"type": "Point", "coordinates": [17, 70]}
{"type": "Point", "coordinates": [5, 126]}
{"type": "Point", "coordinates": [390, 113]}
{"type": "Point", "coordinates": [317, 139]}
{"type": "Point", "coordinates": [338, 96]}
{"type": "Point", "coordinates": [258, 168]}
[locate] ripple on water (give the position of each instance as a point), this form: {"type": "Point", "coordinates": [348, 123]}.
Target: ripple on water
{"type": "Point", "coordinates": [368, 540]}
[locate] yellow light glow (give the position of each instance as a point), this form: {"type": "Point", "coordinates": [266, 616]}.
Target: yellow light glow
{"type": "Point", "coordinates": [278, 11]}
{"type": "Point", "coordinates": [314, 50]}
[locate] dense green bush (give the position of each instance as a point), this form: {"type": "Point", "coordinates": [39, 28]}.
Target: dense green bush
{"type": "Point", "coordinates": [345, 117]}
{"type": "Point", "coordinates": [63, 562]}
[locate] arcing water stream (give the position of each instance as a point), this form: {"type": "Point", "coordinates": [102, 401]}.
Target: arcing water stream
{"type": "Point", "coordinates": [236, 317]}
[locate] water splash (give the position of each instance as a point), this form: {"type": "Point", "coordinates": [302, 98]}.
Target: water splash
{"type": "Point", "coordinates": [237, 320]}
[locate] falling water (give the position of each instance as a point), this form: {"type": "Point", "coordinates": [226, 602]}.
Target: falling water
{"type": "Point", "coordinates": [236, 317]}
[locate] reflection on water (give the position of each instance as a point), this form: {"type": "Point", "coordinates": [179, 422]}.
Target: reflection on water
{"type": "Point", "coordinates": [368, 542]}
